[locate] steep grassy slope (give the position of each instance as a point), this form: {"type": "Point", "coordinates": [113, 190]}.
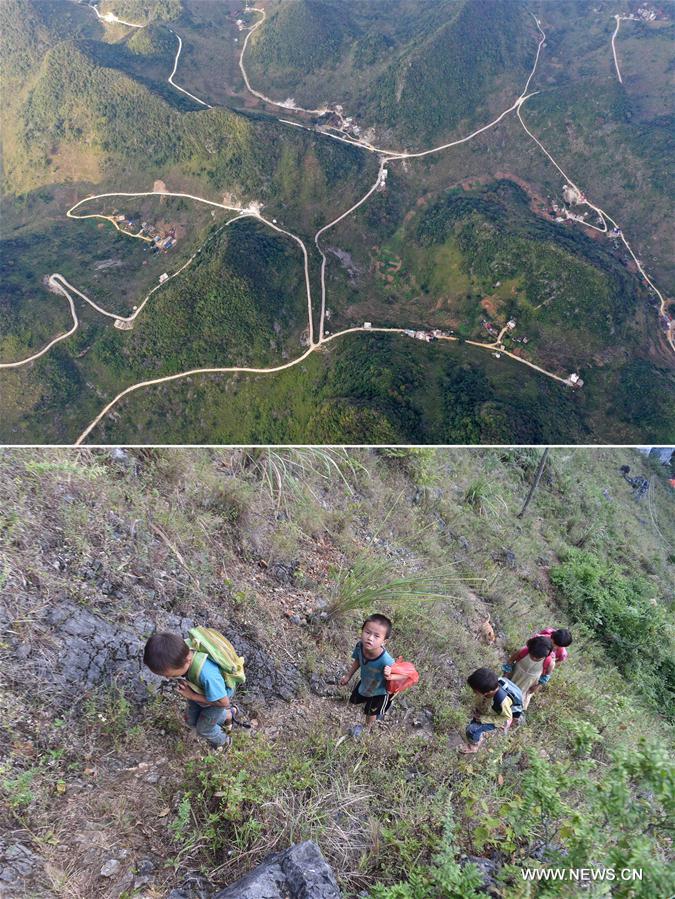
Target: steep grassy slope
{"type": "Point", "coordinates": [99, 548]}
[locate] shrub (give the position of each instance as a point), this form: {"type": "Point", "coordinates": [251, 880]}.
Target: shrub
{"type": "Point", "coordinates": [624, 613]}
{"type": "Point", "coordinates": [371, 581]}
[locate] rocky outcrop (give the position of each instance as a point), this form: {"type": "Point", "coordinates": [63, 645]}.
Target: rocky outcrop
{"type": "Point", "coordinates": [76, 648]}
{"type": "Point", "coordinates": [300, 872]}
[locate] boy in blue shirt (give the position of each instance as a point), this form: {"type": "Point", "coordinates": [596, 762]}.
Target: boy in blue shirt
{"type": "Point", "coordinates": [374, 663]}
{"type": "Point", "coordinates": [168, 655]}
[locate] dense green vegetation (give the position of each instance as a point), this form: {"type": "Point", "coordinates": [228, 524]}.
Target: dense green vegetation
{"type": "Point", "coordinates": [244, 298]}
{"type": "Point", "coordinates": [644, 396]}
{"type": "Point", "coordinates": [624, 611]}
{"type": "Point", "coordinates": [429, 92]}
{"type": "Point", "coordinates": [139, 11]}
{"type": "Point", "coordinates": [30, 28]}
{"type": "Point", "coordinates": [305, 35]}
{"type": "Point", "coordinates": [370, 388]}
{"type": "Point", "coordinates": [76, 100]}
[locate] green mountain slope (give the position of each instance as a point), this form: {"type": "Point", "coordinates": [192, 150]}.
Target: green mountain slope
{"type": "Point", "coordinates": [447, 78]}
{"type": "Point", "coordinates": [141, 11]}
{"type": "Point", "coordinates": [305, 35]}
{"type": "Point", "coordinates": [415, 69]}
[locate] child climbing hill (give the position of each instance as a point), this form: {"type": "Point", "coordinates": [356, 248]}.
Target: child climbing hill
{"type": "Point", "coordinates": [561, 638]}
{"type": "Point", "coordinates": [205, 689]}
{"type": "Point", "coordinates": [531, 667]}
{"type": "Point", "coordinates": [374, 663]}
{"type": "Point", "coordinates": [499, 704]}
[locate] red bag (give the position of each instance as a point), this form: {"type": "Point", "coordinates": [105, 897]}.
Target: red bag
{"type": "Point", "coordinates": [401, 667]}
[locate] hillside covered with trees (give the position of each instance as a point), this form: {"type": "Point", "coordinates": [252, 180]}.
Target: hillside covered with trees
{"type": "Point", "coordinates": [415, 70]}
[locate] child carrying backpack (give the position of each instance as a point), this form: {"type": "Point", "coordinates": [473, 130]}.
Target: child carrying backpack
{"type": "Point", "coordinates": [532, 666]}
{"type": "Point", "coordinates": [211, 669]}
{"type": "Point", "coordinates": [500, 703]}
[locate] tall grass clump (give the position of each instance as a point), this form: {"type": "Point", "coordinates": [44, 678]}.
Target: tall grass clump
{"type": "Point", "coordinates": [285, 474]}
{"type": "Point", "coordinates": [372, 581]}
{"type": "Point", "coordinates": [482, 496]}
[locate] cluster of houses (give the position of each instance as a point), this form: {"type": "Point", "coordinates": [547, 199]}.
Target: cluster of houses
{"type": "Point", "coordinates": [427, 336]}
{"type": "Point", "coordinates": [647, 14]}
{"type": "Point", "coordinates": [160, 239]}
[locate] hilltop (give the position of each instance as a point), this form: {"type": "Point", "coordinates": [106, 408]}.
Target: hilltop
{"type": "Point", "coordinates": [285, 551]}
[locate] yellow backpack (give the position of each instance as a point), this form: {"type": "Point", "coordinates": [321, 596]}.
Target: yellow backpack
{"type": "Point", "coordinates": [207, 643]}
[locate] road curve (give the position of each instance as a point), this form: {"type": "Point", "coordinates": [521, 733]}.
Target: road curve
{"type": "Point", "coordinates": [56, 340]}
{"type": "Point", "coordinates": [619, 19]}
{"type": "Point", "coordinates": [256, 93]}
{"type": "Point", "coordinates": [112, 19]}
{"type": "Point", "coordinates": [175, 66]}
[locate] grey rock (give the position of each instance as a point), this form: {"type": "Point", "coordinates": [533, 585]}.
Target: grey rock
{"type": "Point", "coordinates": [318, 686]}
{"type": "Point", "coordinates": [110, 868]}
{"type": "Point", "coordinates": [17, 862]}
{"type": "Point", "coordinates": [193, 887]}
{"type": "Point", "coordinates": [506, 557]}
{"type": "Point", "coordinates": [283, 573]}
{"type": "Point", "coordinates": [263, 676]}
{"type": "Point", "coordinates": [308, 874]}
{"type": "Point", "coordinates": [488, 869]}
{"type": "Point", "coordinates": [145, 866]}
{"type": "Point", "coordinates": [265, 882]}
{"type": "Point", "coordinates": [300, 872]}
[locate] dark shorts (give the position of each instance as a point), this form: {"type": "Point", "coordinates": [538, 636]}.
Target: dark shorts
{"type": "Point", "coordinates": [372, 705]}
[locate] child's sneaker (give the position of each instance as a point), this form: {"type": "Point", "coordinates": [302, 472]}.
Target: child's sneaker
{"type": "Point", "coordinates": [356, 731]}
{"type": "Point", "coordinates": [224, 747]}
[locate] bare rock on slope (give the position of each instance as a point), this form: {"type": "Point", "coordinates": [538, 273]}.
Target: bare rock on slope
{"type": "Point", "coordinates": [300, 872]}
{"type": "Point", "coordinates": [77, 648]}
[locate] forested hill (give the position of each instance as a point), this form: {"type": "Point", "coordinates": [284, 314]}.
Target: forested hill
{"type": "Point", "coordinates": [74, 99]}
{"type": "Point", "coordinates": [417, 69]}
{"type": "Point", "coordinates": [105, 793]}
{"type": "Point", "coordinates": [108, 106]}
